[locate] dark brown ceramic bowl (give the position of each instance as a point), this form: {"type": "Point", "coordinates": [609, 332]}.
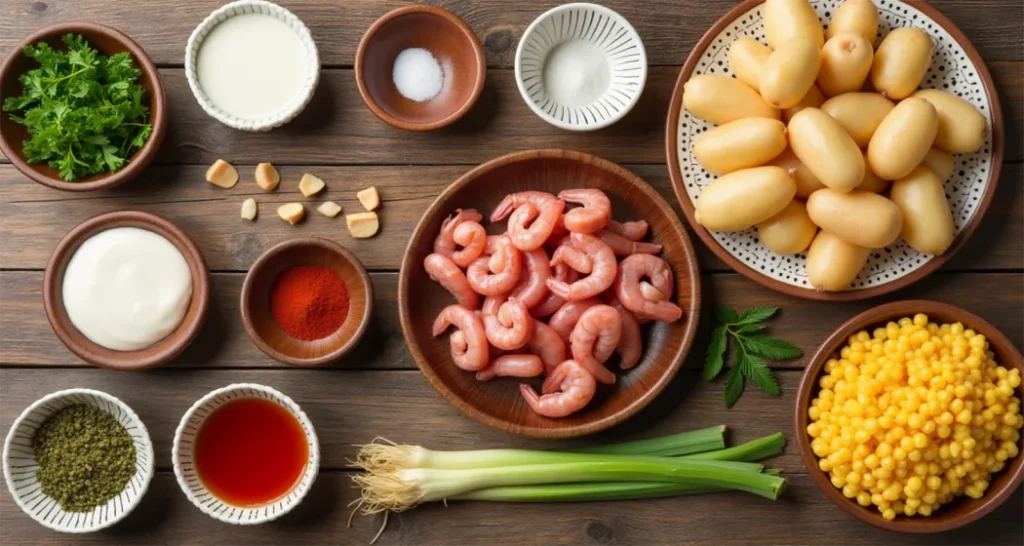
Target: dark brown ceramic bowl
{"type": "Point", "coordinates": [961, 511]}
{"type": "Point", "coordinates": [498, 403]}
{"type": "Point", "coordinates": [452, 43]}
{"type": "Point", "coordinates": [87, 350]}
{"type": "Point", "coordinates": [679, 183]}
{"type": "Point", "coordinates": [255, 304]}
{"type": "Point", "coordinates": [108, 41]}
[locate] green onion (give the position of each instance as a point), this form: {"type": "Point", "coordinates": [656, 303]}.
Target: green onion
{"type": "Point", "coordinates": [754, 450]}
{"type": "Point", "coordinates": [684, 443]}
{"type": "Point", "coordinates": [577, 492]}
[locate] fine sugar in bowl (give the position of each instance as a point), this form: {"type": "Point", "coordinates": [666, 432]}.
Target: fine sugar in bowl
{"type": "Point", "coordinates": [126, 290]}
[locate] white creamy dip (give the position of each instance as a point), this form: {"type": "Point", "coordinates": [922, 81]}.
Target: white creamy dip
{"type": "Point", "coordinates": [127, 288]}
{"type": "Point", "coordinates": [252, 65]}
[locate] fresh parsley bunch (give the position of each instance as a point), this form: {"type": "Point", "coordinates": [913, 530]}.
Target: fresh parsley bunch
{"type": "Point", "coordinates": [84, 110]}
{"type": "Point", "coordinates": [753, 348]}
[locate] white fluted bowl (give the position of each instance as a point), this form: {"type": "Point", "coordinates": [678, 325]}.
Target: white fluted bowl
{"type": "Point", "coordinates": [603, 32]}
{"type": "Point", "coordinates": [20, 463]}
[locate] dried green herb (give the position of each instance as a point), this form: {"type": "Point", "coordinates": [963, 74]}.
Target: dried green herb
{"type": "Point", "coordinates": [85, 457]}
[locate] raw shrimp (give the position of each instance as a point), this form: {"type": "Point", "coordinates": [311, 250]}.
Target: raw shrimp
{"type": "Point", "coordinates": [575, 259]}
{"type": "Point", "coordinates": [488, 282]}
{"type": "Point", "coordinates": [601, 276]}
{"type": "Point", "coordinates": [634, 231]}
{"type": "Point", "coordinates": [627, 287]}
{"type": "Point", "coordinates": [648, 291]}
{"type": "Point", "coordinates": [547, 344]}
{"type": "Point", "coordinates": [493, 244]}
{"type": "Point", "coordinates": [531, 225]}
{"type": "Point", "coordinates": [577, 388]}
{"type": "Point", "coordinates": [532, 288]}
{"type": "Point", "coordinates": [514, 331]}
{"type": "Point", "coordinates": [443, 270]}
{"type": "Point", "coordinates": [445, 244]}
{"type": "Point", "coordinates": [594, 339]}
{"type": "Point", "coordinates": [470, 350]}
{"type": "Point", "coordinates": [512, 366]}
{"type": "Point", "coordinates": [565, 318]}
{"type": "Point", "coordinates": [472, 237]}
{"type": "Point", "coordinates": [625, 247]}
{"type": "Point", "coordinates": [592, 216]}
{"type": "Point", "coordinates": [514, 200]}
{"type": "Point", "coordinates": [552, 303]}
{"type": "Point", "coordinates": [631, 343]}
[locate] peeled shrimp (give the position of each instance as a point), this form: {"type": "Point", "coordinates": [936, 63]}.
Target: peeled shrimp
{"type": "Point", "coordinates": [594, 339]}
{"type": "Point", "coordinates": [649, 292]}
{"type": "Point", "coordinates": [592, 216]}
{"type": "Point", "coordinates": [508, 327]}
{"type": "Point", "coordinates": [552, 303]}
{"type": "Point", "coordinates": [532, 288]}
{"type": "Point", "coordinates": [514, 200]}
{"type": "Point", "coordinates": [445, 243]}
{"type": "Point", "coordinates": [470, 350]}
{"type": "Point", "coordinates": [573, 258]}
{"type": "Point", "coordinates": [602, 274]}
{"type": "Point", "coordinates": [489, 281]}
{"type": "Point", "coordinates": [631, 342]}
{"type": "Point", "coordinates": [634, 231]}
{"type": "Point", "coordinates": [530, 225]}
{"type": "Point", "coordinates": [472, 237]}
{"type": "Point", "coordinates": [576, 386]}
{"type": "Point", "coordinates": [547, 344]}
{"type": "Point", "coordinates": [512, 366]}
{"type": "Point", "coordinates": [443, 270]}
{"type": "Point", "coordinates": [622, 246]}
{"type": "Point", "coordinates": [627, 287]}
{"type": "Point", "coordinates": [565, 318]}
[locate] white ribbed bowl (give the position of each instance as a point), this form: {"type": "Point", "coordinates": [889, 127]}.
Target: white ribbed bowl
{"type": "Point", "coordinates": [288, 111]}
{"type": "Point", "coordinates": [608, 32]}
{"type": "Point", "coordinates": [20, 463]}
{"type": "Point", "coordinates": [185, 470]}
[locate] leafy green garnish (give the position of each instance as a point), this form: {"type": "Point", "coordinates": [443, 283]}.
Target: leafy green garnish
{"type": "Point", "coordinates": [752, 349]}
{"type": "Point", "coordinates": [83, 109]}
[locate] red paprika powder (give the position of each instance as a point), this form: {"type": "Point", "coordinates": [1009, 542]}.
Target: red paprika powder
{"type": "Point", "coordinates": [309, 301]}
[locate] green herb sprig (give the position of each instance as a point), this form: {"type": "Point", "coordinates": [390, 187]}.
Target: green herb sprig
{"type": "Point", "coordinates": [84, 111]}
{"type": "Point", "coordinates": [753, 348]}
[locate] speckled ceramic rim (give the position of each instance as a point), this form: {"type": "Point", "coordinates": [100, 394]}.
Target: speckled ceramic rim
{"type": "Point", "coordinates": [634, 36]}
{"type": "Point", "coordinates": [289, 111]}
{"type": "Point", "coordinates": [144, 467]}
{"type": "Point", "coordinates": [237, 515]}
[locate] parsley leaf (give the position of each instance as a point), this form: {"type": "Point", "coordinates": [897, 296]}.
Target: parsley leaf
{"type": "Point", "coordinates": [771, 348]}
{"type": "Point", "coordinates": [725, 315]}
{"type": "Point", "coordinates": [757, 314]}
{"type": "Point", "coordinates": [85, 112]}
{"type": "Point", "coordinates": [756, 369]}
{"type": "Point", "coordinates": [733, 386]}
{"type": "Point", "coordinates": [716, 350]}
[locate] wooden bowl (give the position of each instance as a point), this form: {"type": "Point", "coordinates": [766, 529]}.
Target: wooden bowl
{"type": "Point", "coordinates": [255, 305]}
{"type": "Point", "coordinates": [452, 43]}
{"type": "Point", "coordinates": [498, 403]}
{"type": "Point", "coordinates": [107, 41]}
{"type": "Point", "coordinates": [962, 510]}
{"type": "Point", "coordinates": [955, 64]}
{"type": "Point", "coordinates": [154, 355]}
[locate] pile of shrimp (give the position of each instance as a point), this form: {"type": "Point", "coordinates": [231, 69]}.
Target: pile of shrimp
{"type": "Point", "coordinates": [522, 312]}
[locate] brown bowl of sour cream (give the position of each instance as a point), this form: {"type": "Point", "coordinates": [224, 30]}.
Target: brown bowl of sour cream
{"type": "Point", "coordinates": [126, 290]}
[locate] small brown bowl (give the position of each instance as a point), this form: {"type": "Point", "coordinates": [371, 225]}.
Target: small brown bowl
{"type": "Point", "coordinates": [108, 41]}
{"type": "Point", "coordinates": [255, 305]}
{"type": "Point", "coordinates": [962, 510]}
{"type": "Point", "coordinates": [155, 355]}
{"type": "Point", "coordinates": [498, 403]}
{"type": "Point", "coordinates": [452, 43]}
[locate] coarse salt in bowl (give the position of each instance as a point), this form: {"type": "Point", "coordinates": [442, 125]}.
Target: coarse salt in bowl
{"type": "Point", "coordinates": [20, 463]}
{"type": "Point", "coordinates": [185, 468]}
{"type": "Point", "coordinates": [581, 66]}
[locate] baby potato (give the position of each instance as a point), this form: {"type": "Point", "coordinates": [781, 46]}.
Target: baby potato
{"type": "Point", "coordinates": [901, 61]}
{"type": "Point", "coordinates": [827, 150]}
{"type": "Point", "coordinates": [871, 181]}
{"type": "Point", "coordinates": [962, 128]}
{"type": "Point", "coordinates": [858, 217]}
{"type": "Point", "coordinates": [740, 144]}
{"type": "Point", "coordinates": [813, 99]}
{"type": "Point", "coordinates": [789, 72]}
{"type": "Point", "coordinates": [806, 182]}
{"type": "Point", "coordinates": [903, 138]}
{"type": "Point", "coordinates": [746, 56]}
{"type": "Point", "coordinates": [738, 200]}
{"type": "Point", "coordinates": [832, 263]}
{"type": "Point", "coordinates": [789, 231]}
{"type": "Point", "coordinates": [720, 99]}
{"type": "Point", "coordinates": [927, 220]}
{"type": "Point", "coordinates": [786, 19]}
{"type": "Point", "coordinates": [940, 162]}
{"type": "Point", "coordinates": [856, 16]}
{"type": "Point", "coordinates": [845, 64]}
{"type": "Point", "coordinates": [859, 113]}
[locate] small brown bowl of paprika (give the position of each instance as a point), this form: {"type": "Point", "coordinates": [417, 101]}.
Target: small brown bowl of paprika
{"type": "Point", "coordinates": [306, 301]}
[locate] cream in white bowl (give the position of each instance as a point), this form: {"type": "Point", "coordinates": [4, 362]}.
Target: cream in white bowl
{"type": "Point", "coordinates": [581, 66]}
{"type": "Point", "coordinates": [252, 65]}
{"type": "Point", "coordinates": [20, 464]}
{"type": "Point", "coordinates": [184, 459]}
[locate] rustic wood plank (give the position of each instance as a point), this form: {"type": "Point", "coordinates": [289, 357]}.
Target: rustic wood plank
{"type": "Point", "coordinates": [165, 516]}
{"type": "Point", "coordinates": [669, 28]}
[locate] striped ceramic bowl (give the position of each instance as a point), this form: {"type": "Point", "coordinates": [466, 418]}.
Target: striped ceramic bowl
{"type": "Point", "coordinates": [20, 463]}
{"type": "Point", "coordinates": [185, 470]}
{"type": "Point", "coordinates": [581, 66]}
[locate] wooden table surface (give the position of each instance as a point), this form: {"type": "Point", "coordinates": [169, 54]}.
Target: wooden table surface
{"type": "Point", "coordinates": [377, 390]}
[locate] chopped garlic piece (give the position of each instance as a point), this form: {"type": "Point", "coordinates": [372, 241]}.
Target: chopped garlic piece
{"type": "Point", "coordinates": [369, 198]}
{"type": "Point", "coordinates": [329, 209]}
{"type": "Point", "coordinates": [222, 174]}
{"type": "Point", "coordinates": [310, 185]}
{"type": "Point", "coordinates": [362, 224]}
{"type": "Point", "coordinates": [291, 212]}
{"type": "Point", "coordinates": [249, 209]}
{"type": "Point", "coordinates": [267, 176]}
